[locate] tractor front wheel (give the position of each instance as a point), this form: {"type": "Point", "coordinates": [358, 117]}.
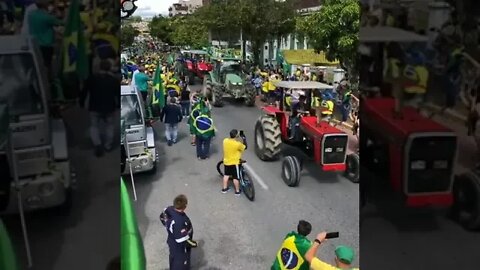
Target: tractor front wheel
{"type": "Point", "coordinates": [217, 96]}
{"type": "Point", "coordinates": [466, 205]}
{"type": "Point", "coordinates": [250, 96]}
{"type": "Point", "coordinates": [291, 171]}
{"type": "Point", "coordinates": [352, 172]}
{"type": "Point", "coordinates": [267, 138]}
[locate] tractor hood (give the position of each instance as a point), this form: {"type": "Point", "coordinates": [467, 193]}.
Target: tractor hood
{"type": "Point", "coordinates": [234, 79]}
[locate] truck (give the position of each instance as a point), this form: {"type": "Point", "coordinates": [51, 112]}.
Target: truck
{"type": "Point", "coordinates": [39, 136]}
{"type": "Point", "coordinates": [138, 143]}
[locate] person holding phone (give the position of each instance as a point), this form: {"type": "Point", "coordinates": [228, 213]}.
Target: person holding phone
{"type": "Point", "coordinates": [233, 149]}
{"type": "Point", "coordinates": [343, 255]}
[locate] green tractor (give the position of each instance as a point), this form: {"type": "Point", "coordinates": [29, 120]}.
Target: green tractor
{"type": "Point", "coordinates": [228, 79]}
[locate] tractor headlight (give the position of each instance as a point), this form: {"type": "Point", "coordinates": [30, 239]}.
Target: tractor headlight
{"type": "Point", "coordinates": [440, 164]}
{"type": "Point", "coordinates": [328, 150]}
{"type": "Point", "coordinates": [143, 161]}
{"type": "Point", "coordinates": [418, 165]}
{"type": "Point", "coordinates": [46, 189]}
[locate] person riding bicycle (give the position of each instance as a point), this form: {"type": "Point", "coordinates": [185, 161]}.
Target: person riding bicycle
{"type": "Point", "coordinates": [233, 149]}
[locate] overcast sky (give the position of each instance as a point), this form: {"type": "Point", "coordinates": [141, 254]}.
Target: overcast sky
{"type": "Point", "coordinates": [150, 8]}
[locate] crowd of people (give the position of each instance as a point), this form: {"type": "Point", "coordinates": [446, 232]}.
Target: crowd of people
{"type": "Point", "coordinates": [45, 22]}
{"type": "Point", "coordinates": [184, 105]}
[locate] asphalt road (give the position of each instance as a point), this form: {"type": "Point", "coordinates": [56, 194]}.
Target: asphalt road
{"type": "Point", "coordinates": [424, 238]}
{"type": "Point", "coordinates": [233, 232]}
{"type": "Point", "coordinates": [88, 237]}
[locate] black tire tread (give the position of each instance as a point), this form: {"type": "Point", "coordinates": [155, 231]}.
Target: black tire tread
{"type": "Point", "coordinates": [272, 138]}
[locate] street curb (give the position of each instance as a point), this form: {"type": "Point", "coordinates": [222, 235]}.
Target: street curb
{"type": "Point", "coordinates": [452, 113]}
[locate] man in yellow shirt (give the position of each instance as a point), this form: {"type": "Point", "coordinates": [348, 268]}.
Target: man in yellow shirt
{"type": "Point", "coordinates": [343, 256]}
{"type": "Point", "coordinates": [232, 155]}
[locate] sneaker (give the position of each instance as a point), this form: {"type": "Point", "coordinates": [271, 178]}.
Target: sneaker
{"type": "Point", "coordinates": [169, 143]}
{"type": "Point", "coordinates": [225, 190]}
{"type": "Point", "coordinates": [174, 141]}
{"type": "Point", "coordinates": [238, 193]}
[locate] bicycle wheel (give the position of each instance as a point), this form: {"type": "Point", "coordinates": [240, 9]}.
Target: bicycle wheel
{"type": "Point", "coordinates": [219, 167]}
{"type": "Point", "coordinates": [247, 186]}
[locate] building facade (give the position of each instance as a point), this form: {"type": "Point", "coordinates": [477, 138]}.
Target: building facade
{"type": "Point", "coordinates": [184, 7]}
{"type": "Point", "coordinates": [291, 42]}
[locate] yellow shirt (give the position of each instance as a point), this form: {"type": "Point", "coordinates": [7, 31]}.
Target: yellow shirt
{"type": "Point", "coordinates": [319, 265]}
{"type": "Point", "coordinates": [232, 151]}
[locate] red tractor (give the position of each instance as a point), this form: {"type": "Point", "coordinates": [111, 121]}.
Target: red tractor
{"type": "Point", "coordinates": [408, 154]}
{"type": "Point", "coordinates": [325, 143]}
{"type": "Point", "coordinates": [197, 64]}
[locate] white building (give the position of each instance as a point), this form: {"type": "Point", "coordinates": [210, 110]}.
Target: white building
{"type": "Point", "coordinates": [184, 7]}
{"type": "Point", "coordinates": [291, 42]}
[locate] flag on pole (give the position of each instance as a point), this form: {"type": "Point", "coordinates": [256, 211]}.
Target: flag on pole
{"type": "Point", "coordinates": [74, 45]}
{"type": "Point", "coordinates": [133, 252]}
{"type": "Point", "coordinates": [158, 97]}
{"type": "Point", "coordinates": [8, 260]}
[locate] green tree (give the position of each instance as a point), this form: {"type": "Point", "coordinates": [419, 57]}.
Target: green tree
{"type": "Point", "coordinates": [128, 35]}
{"type": "Point", "coordinates": [334, 30]}
{"type": "Point", "coordinates": [190, 31]}
{"type": "Point", "coordinates": [162, 28]}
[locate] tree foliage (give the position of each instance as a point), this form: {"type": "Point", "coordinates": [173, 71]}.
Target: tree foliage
{"type": "Point", "coordinates": [334, 30]}
{"type": "Point", "coordinates": [189, 31]}
{"type": "Point", "coordinates": [259, 21]}
{"type": "Point", "coordinates": [128, 35]}
{"type": "Point", "coordinates": [161, 28]}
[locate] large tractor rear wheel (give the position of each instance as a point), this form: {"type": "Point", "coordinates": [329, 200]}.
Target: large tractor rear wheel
{"type": "Point", "coordinates": [250, 96]}
{"type": "Point", "coordinates": [217, 96]}
{"type": "Point", "coordinates": [267, 138]}
{"type": "Point", "coordinates": [291, 171]}
{"type": "Point", "coordinates": [352, 172]}
{"type": "Point", "coordinates": [466, 205]}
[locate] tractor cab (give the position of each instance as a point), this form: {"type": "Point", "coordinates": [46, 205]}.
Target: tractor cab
{"type": "Point", "coordinates": [196, 64]}
{"type": "Point", "coordinates": [411, 154]}
{"type": "Point", "coordinates": [228, 67]}
{"type": "Point", "coordinates": [138, 147]}
{"type": "Point", "coordinates": [326, 145]}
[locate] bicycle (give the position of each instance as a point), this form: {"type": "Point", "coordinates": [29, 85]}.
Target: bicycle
{"type": "Point", "coordinates": [246, 184]}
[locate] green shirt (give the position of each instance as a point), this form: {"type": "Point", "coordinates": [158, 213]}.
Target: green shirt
{"type": "Point", "coordinates": [141, 81]}
{"type": "Point", "coordinates": [41, 24]}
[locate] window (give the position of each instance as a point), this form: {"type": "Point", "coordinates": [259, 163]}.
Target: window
{"type": "Point", "coordinates": [130, 112]}
{"type": "Point", "coordinates": [20, 88]}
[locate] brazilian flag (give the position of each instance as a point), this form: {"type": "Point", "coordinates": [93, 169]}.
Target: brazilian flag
{"type": "Point", "coordinates": [133, 252]}
{"type": "Point", "coordinates": [74, 45]}
{"type": "Point", "coordinates": [106, 45]}
{"type": "Point", "coordinates": [198, 109]}
{"type": "Point", "coordinates": [291, 254]}
{"type": "Point", "coordinates": [158, 97]}
{"type": "Point", "coordinates": [203, 125]}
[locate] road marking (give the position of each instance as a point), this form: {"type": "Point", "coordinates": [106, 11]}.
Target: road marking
{"type": "Point", "coordinates": [255, 176]}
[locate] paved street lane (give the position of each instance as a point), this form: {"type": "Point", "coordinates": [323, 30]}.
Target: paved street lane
{"type": "Point", "coordinates": [235, 233]}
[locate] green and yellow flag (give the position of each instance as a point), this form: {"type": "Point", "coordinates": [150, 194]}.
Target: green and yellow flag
{"type": "Point", "coordinates": [158, 97]}
{"type": "Point", "coordinates": [133, 252]}
{"type": "Point", "coordinates": [8, 260]}
{"type": "Point", "coordinates": [74, 46]}
{"type": "Point", "coordinates": [290, 256]}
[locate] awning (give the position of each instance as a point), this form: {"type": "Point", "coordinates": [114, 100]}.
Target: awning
{"type": "Point", "coordinates": [300, 57]}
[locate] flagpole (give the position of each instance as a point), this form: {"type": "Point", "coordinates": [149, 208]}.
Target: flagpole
{"type": "Point", "coordinates": [130, 167]}
{"type": "Point", "coordinates": [13, 160]}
